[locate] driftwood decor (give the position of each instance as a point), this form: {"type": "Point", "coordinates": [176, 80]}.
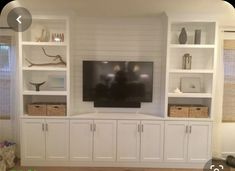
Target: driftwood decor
{"type": "Point", "coordinates": [56, 57]}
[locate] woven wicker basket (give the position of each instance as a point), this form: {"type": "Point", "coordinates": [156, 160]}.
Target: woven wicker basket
{"type": "Point", "coordinates": [56, 110]}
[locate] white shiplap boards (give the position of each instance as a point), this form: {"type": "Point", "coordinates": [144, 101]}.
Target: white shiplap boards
{"type": "Point", "coordinates": [137, 39]}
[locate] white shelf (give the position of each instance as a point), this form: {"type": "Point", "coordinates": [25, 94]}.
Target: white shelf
{"type": "Point", "coordinates": [26, 116]}
{"type": "Point", "coordinates": [192, 46]}
{"type": "Point", "coordinates": [187, 119]}
{"type": "Point", "coordinates": [44, 69]}
{"type": "Point", "coordinates": [196, 71]}
{"type": "Point", "coordinates": [190, 95]}
{"type": "Point", "coordinates": [45, 93]}
{"type": "Point", "coordinates": [44, 43]}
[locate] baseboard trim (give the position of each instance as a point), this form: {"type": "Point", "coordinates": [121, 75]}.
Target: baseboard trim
{"type": "Point", "coordinates": [113, 164]}
{"type": "Point", "coordinates": [225, 154]}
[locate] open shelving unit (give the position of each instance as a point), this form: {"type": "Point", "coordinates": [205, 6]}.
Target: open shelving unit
{"type": "Point", "coordinates": [202, 66]}
{"type": "Point", "coordinates": [57, 77]}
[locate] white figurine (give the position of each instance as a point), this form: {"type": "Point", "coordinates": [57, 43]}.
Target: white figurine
{"type": "Point", "coordinates": [177, 90]}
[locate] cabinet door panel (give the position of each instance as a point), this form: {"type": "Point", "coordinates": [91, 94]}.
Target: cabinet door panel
{"type": "Point", "coordinates": [199, 146]}
{"type": "Point", "coordinates": [33, 140]}
{"type": "Point", "coordinates": [128, 147]}
{"type": "Point", "coordinates": [104, 140]}
{"type": "Point", "coordinates": [81, 140]}
{"type": "Point", "coordinates": [175, 141]}
{"type": "Point", "coordinates": [57, 138]}
{"type": "Point", "coordinates": [152, 141]}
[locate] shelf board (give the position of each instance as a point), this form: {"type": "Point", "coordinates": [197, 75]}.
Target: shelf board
{"type": "Point", "coordinates": [45, 93]}
{"type": "Point", "coordinates": [26, 116]}
{"type": "Point", "coordinates": [44, 69]}
{"type": "Point", "coordinates": [191, 46]}
{"type": "Point", "coordinates": [209, 119]}
{"type": "Point", "coordinates": [44, 43]}
{"type": "Point", "coordinates": [193, 71]}
{"type": "Point", "coordinates": [190, 95]}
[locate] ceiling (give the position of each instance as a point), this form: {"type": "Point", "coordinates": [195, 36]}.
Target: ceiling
{"type": "Point", "coordinates": [134, 8]}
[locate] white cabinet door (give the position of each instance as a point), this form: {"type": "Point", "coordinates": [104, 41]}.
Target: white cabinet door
{"type": "Point", "coordinates": [199, 146]}
{"type": "Point", "coordinates": [152, 141]}
{"type": "Point", "coordinates": [175, 141]}
{"type": "Point", "coordinates": [33, 140]}
{"type": "Point", "coordinates": [128, 135]}
{"type": "Point", "coordinates": [104, 140]}
{"type": "Point", "coordinates": [57, 138]}
{"type": "Point", "coordinates": [81, 140]}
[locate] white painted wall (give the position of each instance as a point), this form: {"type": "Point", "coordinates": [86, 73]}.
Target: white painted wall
{"type": "Point", "coordinates": [5, 130]}
{"type": "Point", "coordinates": [138, 39]}
{"type": "Point", "coordinates": [224, 133]}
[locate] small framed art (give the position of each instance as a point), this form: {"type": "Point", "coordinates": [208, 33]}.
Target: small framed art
{"type": "Point", "coordinates": [190, 85]}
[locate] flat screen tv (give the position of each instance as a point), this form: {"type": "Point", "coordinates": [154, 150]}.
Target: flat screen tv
{"type": "Point", "coordinates": [117, 83]}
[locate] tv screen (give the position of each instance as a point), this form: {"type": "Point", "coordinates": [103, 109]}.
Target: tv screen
{"type": "Point", "coordinates": [117, 83]}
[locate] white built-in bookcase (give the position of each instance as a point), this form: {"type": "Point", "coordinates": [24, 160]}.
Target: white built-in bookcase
{"type": "Point", "coordinates": [32, 50]}
{"type": "Point", "coordinates": [203, 63]}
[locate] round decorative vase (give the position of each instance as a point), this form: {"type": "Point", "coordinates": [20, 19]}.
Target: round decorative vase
{"type": "Point", "coordinates": [183, 36]}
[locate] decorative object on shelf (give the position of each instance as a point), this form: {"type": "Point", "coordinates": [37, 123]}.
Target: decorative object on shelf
{"type": "Point", "coordinates": [188, 110]}
{"type": "Point", "coordinates": [37, 85]}
{"type": "Point", "coordinates": [40, 33]}
{"type": "Point", "coordinates": [177, 90]}
{"type": "Point", "coordinates": [37, 109]}
{"type": "Point", "coordinates": [198, 111]}
{"type": "Point", "coordinates": [56, 82]}
{"type": "Point", "coordinates": [57, 37]}
{"type": "Point", "coordinates": [197, 37]}
{"type": "Point", "coordinates": [47, 109]}
{"type": "Point", "coordinates": [56, 57]}
{"type": "Point", "coordinates": [183, 36]}
{"type": "Point", "coordinates": [56, 109]}
{"type": "Point", "coordinates": [190, 85]}
{"type": "Point", "coordinates": [187, 61]}
{"type": "Point", "coordinates": [178, 111]}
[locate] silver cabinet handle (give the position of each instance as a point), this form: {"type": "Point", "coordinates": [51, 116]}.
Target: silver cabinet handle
{"type": "Point", "coordinates": [142, 128]}
{"type": "Point", "coordinates": [46, 127]}
{"type": "Point", "coordinates": [94, 127]}
{"type": "Point", "coordinates": [91, 127]}
{"type": "Point", "coordinates": [139, 127]}
{"type": "Point", "coordinates": [43, 127]}
{"type": "Point", "coordinates": [190, 129]}
{"type": "Point", "coordinates": [186, 129]}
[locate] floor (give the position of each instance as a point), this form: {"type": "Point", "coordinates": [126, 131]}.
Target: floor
{"type": "Point", "coordinates": [19, 168]}
{"type": "Point", "coordinates": [92, 169]}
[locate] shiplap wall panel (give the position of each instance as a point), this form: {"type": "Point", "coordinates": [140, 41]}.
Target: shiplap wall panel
{"type": "Point", "coordinates": [131, 39]}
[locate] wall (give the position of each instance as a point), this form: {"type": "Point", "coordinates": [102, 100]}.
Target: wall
{"type": "Point", "coordinates": [223, 132]}
{"type": "Point", "coordinates": [5, 130]}
{"type": "Point", "coordinates": [117, 39]}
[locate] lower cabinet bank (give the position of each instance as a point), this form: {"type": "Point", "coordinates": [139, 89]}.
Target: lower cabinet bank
{"type": "Point", "coordinates": [115, 143]}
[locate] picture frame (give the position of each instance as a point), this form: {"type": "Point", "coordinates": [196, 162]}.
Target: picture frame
{"type": "Point", "coordinates": [190, 85]}
{"type": "Point", "coordinates": [56, 82]}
